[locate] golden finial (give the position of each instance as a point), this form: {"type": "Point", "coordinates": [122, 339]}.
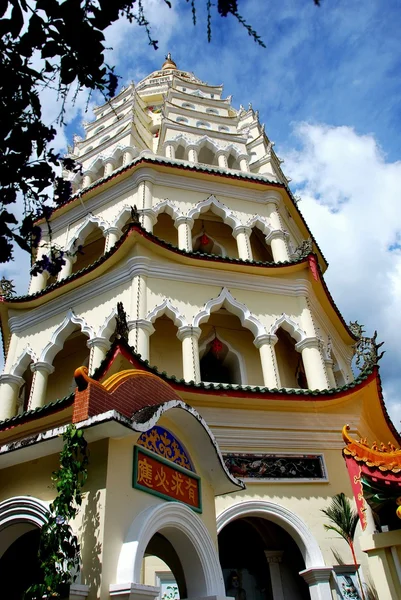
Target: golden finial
{"type": "Point", "coordinates": [169, 63]}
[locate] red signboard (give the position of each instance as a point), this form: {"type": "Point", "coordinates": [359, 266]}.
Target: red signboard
{"type": "Point", "coordinates": [159, 476]}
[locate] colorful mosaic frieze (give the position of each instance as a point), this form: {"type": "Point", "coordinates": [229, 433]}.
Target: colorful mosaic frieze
{"type": "Point", "coordinates": [165, 444]}
{"type": "Point", "coordinates": [276, 466]}
{"type": "Point", "coordinates": [158, 476]}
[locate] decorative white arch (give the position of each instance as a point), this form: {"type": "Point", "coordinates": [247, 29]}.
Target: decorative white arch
{"type": "Point", "coordinates": [218, 208]}
{"type": "Point", "coordinates": [123, 216]}
{"type": "Point", "coordinates": [108, 326]}
{"type": "Point", "coordinates": [222, 249]}
{"type": "Point", "coordinates": [241, 362]}
{"type": "Point", "coordinates": [285, 322]}
{"type": "Point", "coordinates": [237, 308]}
{"type": "Point", "coordinates": [190, 539]}
{"type": "Point", "coordinates": [261, 223]}
{"type": "Point", "coordinates": [283, 517]}
{"type": "Point", "coordinates": [86, 228]}
{"type": "Point", "coordinates": [167, 206]}
{"type": "Point", "coordinates": [18, 515]}
{"type": "Point", "coordinates": [167, 308]}
{"type": "Point", "coordinates": [23, 361]}
{"type": "Point", "coordinates": [61, 334]}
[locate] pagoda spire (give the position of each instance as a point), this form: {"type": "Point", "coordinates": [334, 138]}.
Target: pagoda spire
{"type": "Point", "coordinates": [168, 63]}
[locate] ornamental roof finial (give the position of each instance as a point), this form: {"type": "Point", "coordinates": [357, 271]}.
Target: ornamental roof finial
{"type": "Point", "coordinates": [169, 63]}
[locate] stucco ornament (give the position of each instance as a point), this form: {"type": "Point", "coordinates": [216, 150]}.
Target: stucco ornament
{"type": "Point", "coordinates": [366, 348]}
{"type": "Point", "coordinates": [122, 328]}
{"type": "Point", "coordinates": [304, 249]}
{"type": "Point", "coordinates": [7, 288]}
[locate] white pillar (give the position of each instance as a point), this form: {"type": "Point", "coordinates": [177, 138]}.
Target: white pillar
{"type": "Point", "coordinates": [98, 347]}
{"type": "Point", "coordinates": [313, 363]}
{"type": "Point", "coordinates": [189, 337]}
{"type": "Point", "coordinates": [244, 163]}
{"type": "Point", "coordinates": [276, 239]}
{"type": "Point", "coordinates": [140, 331]}
{"type": "Point", "coordinates": [318, 579]}
{"type": "Point", "coordinates": [11, 352]}
{"type": "Point", "coordinates": [66, 269]}
{"type": "Point", "coordinates": [109, 167]}
{"type": "Point", "coordinates": [265, 343]}
{"type": "Point", "coordinates": [113, 234]}
{"type": "Point", "coordinates": [222, 159]}
{"type": "Point", "coordinates": [128, 156]}
{"type": "Point", "coordinates": [242, 235]}
{"type": "Point", "coordinates": [274, 558]}
{"type": "Point", "coordinates": [192, 154]}
{"type": "Point", "coordinates": [89, 177]}
{"type": "Point", "coordinates": [148, 219]}
{"type": "Point", "coordinates": [145, 199]}
{"type": "Point", "coordinates": [9, 388]}
{"type": "Point", "coordinates": [38, 282]}
{"type": "Point", "coordinates": [169, 150]}
{"type": "Point", "coordinates": [328, 363]}
{"type": "Point", "coordinates": [184, 226]}
{"type": "Point", "coordinates": [41, 372]}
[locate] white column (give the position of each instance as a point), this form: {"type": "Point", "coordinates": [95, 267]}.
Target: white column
{"type": "Point", "coordinates": [242, 235]}
{"type": "Point", "coordinates": [145, 198]}
{"type": "Point", "coordinates": [244, 163]}
{"type": "Point", "coordinates": [318, 579]}
{"type": "Point", "coordinates": [192, 154]}
{"type": "Point", "coordinates": [89, 177]}
{"type": "Point", "coordinates": [66, 269]}
{"type": "Point", "coordinates": [276, 239]}
{"type": "Point", "coordinates": [189, 337]}
{"type": "Point", "coordinates": [9, 388]}
{"type": "Point", "coordinates": [109, 167]}
{"type": "Point", "coordinates": [184, 226]}
{"type": "Point", "coordinates": [169, 150]}
{"type": "Point", "coordinates": [38, 282]}
{"type": "Point", "coordinates": [11, 352]}
{"type": "Point", "coordinates": [41, 372]}
{"type": "Point", "coordinates": [113, 235]}
{"type": "Point", "coordinates": [265, 343]}
{"type": "Point", "coordinates": [148, 219]}
{"type": "Point", "coordinates": [274, 558]}
{"type": "Point", "coordinates": [98, 347]}
{"type": "Point", "coordinates": [222, 159]}
{"type": "Point", "coordinates": [140, 331]}
{"type": "Point", "coordinates": [330, 374]}
{"type": "Point", "coordinates": [313, 363]}
{"type": "Point", "coordinates": [128, 156]}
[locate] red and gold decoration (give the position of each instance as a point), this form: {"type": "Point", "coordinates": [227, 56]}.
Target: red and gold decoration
{"type": "Point", "coordinates": [160, 477]}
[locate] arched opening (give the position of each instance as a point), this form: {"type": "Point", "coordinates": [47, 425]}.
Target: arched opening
{"type": "Point", "coordinates": [260, 561]}
{"type": "Point", "coordinates": [207, 245]}
{"type": "Point", "coordinates": [161, 567]}
{"type": "Point", "coordinates": [213, 227]}
{"type": "Point", "coordinates": [25, 389]}
{"type": "Point", "coordinates": [235, 359]}
{"type": "Point", "coordinates": [73, 354]}
{"type": "Point", "coordinates": [232, 162]}
{"type": "Point", "coordinates": [165, 229]}
{"type": "Point", "coordinates": [90, 251]}
{"type": "Point", "coordinates": [19, 563]}
{"type": "Point", "coordinates": [180, 152]}
{"type": "Point", "coordinates": [260, 250]}
{"type": "Point", "coordinates": [206, 156]}
{"type": "Point", "coordinates": [165, 349]}
{"type": "Point", "coordinates": [289, 362]}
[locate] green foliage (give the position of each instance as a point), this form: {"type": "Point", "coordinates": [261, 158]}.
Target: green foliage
{"type": "Point", "coordinates": [59, 551]}
{"type": "Point", "coordinates": [343, 516]}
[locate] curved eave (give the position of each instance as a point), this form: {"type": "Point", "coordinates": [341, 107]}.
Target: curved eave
{"type": "Point", "coordinates": [166, 165]}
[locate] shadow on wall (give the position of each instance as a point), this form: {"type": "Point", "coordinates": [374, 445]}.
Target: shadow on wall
{"type": "Point", "coordinates": [91, 547]}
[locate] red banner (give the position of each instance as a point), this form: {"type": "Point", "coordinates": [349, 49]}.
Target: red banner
{"type": "Point", "coordinates": [158, 476]}
{"type": "Point", "coordinates": [354, 472]}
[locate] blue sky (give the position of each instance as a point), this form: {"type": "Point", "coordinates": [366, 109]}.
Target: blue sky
{"type": "Point", "coordinates": [328, 89]}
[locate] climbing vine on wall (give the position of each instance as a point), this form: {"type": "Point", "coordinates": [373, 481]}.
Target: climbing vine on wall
{"type": "Point", "coordinates": [59, 550]}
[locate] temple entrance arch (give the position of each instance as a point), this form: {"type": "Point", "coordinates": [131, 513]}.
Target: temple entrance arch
{"type": "Point", "coordinates": [277, 532]}
{"type": "Point", "coordinates": [186, 534]}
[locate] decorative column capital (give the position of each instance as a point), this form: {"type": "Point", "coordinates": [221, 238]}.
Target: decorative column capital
{"type": "Point", "coordinates": [111, 161]}
{"type": "Point", "coordinates": [276, 234]}
{"type": "Point", "coordinates": [113, 229]}
{"type": "Point", "coordinates": [241, 229]}
{"type": "Point", "coordinates": [11, 379]}
{"type": "Point", "coordinates": [182, 219]}
{"type": "Point", "coordinates": [148, 212]}
{"type": "Point", "coordinates": [42, 367]}
{"type": "Point", "coordinates": [274, 556]}
{"type": "Point", "coordinates": [98, 342]}
{"type": "Point", "coordinates": [221, 152]}
{"type": "Point", "coordinates": [141, 324]}
{"type": "Point", "coordinates": [308, 342]}
{"type": "Point", "coordinates": [315, 575]}
{"type": "Point", "coordinates": [188, 331]}
{"type": "Point", "coordinates": [269, 339]}
{"type": "Point", "coordinates": [273, 197]}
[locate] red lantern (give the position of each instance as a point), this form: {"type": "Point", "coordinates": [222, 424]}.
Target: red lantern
{"type": "Point", "coordinates": [204, 240]}
{"type": "Point", "coordinates": [216, 347]}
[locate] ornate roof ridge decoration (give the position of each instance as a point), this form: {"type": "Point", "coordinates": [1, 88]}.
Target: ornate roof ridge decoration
{"type": "Point", "coordinates": [303, 250]}
{"type": "Point", "coordinates": [385, 458]}
{"type": "Point", "coordinates": [366, 348]}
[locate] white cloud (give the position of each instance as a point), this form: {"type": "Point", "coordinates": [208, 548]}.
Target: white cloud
{"type": "Point", "coordinates": [350, 199]}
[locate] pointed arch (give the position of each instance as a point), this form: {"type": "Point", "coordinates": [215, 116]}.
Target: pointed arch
{"type": "Point", "coordinates": [289, 325]}
{"type": "Point", "coordinates": [226, 299]}
{"type": "Point", "coordinates": [167, 206]}
{"type": "Point", "coordinates": [166, 308]}
{"type": "Point", "coordinates": [218, 208]}
{"type": "Point", "coordinates": [107, 329]}
{"type": "Point", "coordinates": [86, 228]}
{"type": "Point", "coordinates": [261, 223]}
{"type": "Point", "coordinates": [238, 355]}
{"type": "Point", "coordinates": [221, 251]}
{"type": "Point", "coordinates": [62, 332]}
{"type": "Point", "coordinates": [208, 142]}
{"type": "Point", "coordinates": [123, 216]}
{"type": "Point", "coordinates": [22, 362]}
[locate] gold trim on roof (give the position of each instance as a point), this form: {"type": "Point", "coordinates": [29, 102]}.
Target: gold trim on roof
{"type": "Point", "coordinates": [385, 458]}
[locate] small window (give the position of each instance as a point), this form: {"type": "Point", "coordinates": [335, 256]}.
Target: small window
{"type": "Point", "coordinates": [182, 120]}
{"type": "Point", "coordinates": [184, 89]}
{"type": "Point", "coordinates": [203, 124]}
{"type": "Point", "coordinates": [89, 149]}
{"type": "Point", "coordinates": [212, 95]}
{"type": "Point", "coordinates": [223, 128]}
{"type": "Point", "coordinates": [106, 137]}
{"type": "Point", "coordinates": [99, 129]}
{"type": "Point", "coordinates": [212, 111]}
{"type": "Point", "coordinates": [188, 105]}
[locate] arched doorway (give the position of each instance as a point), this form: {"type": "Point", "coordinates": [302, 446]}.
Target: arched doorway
{"type": "Point", "coordinates": [261, 561]}
{"type": "Point", "coordinates": [20, 564]}
{"type": "Point", "coordinates": [161, 567]}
